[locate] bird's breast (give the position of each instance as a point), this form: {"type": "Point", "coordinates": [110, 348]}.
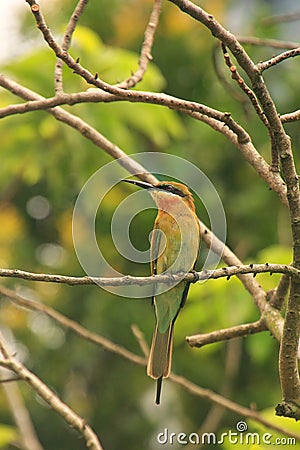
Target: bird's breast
{"type": "Point", "coordinates": [178, 251]}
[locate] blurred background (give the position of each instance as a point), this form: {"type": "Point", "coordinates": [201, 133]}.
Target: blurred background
{"type": "Point", "coordinates": [44, 165]}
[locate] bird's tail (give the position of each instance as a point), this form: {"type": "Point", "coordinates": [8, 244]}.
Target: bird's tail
{"type": "Point", "coordinates": [160, 358]}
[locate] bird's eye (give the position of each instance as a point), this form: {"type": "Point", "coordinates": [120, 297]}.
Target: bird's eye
{"type": "Point", "coordinates": [170, 188]}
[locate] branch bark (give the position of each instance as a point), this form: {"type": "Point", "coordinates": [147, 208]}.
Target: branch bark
{"type": "Point", "coordinates": [22, 372]}
{"type": "Point", "coordinates": [73, 419]}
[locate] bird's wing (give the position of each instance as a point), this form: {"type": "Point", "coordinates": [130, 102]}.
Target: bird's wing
{"type": "Point", "coordinates": [155, 249]}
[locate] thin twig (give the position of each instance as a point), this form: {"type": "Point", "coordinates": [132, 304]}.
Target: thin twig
{"type": "Point", "coordinates": [245, 88]}
{"type": "Point", "coordinates": [28, 436]}
{"type": "Point", "coordinates": [290, 117]}
{"type": "Point", "coordinates": [234, 93]}
{"type": "Point", "coordinates": [264, 42]}
{"type": "Point", "coordinates": [145, 56]}
{"type": "Point", "coordinates": [278, 59]}
{"type": "Point", "coordinates": [58, 72]}
{"type": "Point", "coordinates": [280, 293]}
{"type": "Point", "coordinates": [139, 335]}
{"type": "Point", "coordinates": [253, 99]}
{"type": "Point", "coordinates": [130, 95]}
{"type": "Point", "coordinates": [281, 18]}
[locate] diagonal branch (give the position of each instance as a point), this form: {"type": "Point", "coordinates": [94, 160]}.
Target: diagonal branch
{"type": "Point", "coordinates": [265, 42]}
{"type": "Point", "coordinates": [288, 365]}
{"type": "Point", "coordinates": [28, 436]}
{"type": "Point", "coordinates": [58, 73]}
{"type": "Point", "coordinates": [122, 351]}
{"type": "Point", "coordinates": [131, 95]}
{"type": "Point", "coordinates": [72, 325]}
{"type": "Point", "coordinates": [145, 56]}
{"type": "Point", "coordinates": [37, 102]}
{"type": "Point", "coordinates": [252, 97]}
{"type": "Point", "coordinates": [74, 420]}
{"type": "Point", "coordinates": [278, 59]}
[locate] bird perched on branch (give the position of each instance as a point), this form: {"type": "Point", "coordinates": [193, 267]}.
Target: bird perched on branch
{"type": "Point", "coordinates": [174, 249]}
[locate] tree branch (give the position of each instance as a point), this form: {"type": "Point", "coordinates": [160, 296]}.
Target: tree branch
{"type": "Point", "coordinates": [252, 97]}
{"type": "Point", "coordinates": [130, 95]}
{"type": "Point", "coordinates": [37, 102]}
{"type": "Point", "coordinates": [228, 404]}
{"type": "Point", "coordinates": [263, 42]}
{"type": "Point", "coordinates": [58, 73]}
{"type": "Point", "coordinates": [199, 340]}
{"type": "Point", "coordinates": [278, 59]}
{"type": "Point", "coordinates": [86, 130]}
{"type": "Point", "coordinates": [28, 437]}
{"type": "Point", "coordinates": [289, 375]}
{"type": "Point", "coordinates": [122, 351]}
{"type": "Point", "coordinates": [278, 297]}
{"type": "Point", "coordinates": [145, 56]}
{"type": "Point", "coordinates": [224, 272]}
{"type": "Point", "coordinates": [290, 117]}
{"type": "Point", "coordinates": [71, 324]}
{"type": "Point", "coordinates": [280, 18]}
{"type": "Point", "coordinates": [73, 419]}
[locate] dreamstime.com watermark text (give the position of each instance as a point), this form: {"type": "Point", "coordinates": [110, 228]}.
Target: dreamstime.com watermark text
{"type": "Point", "coordinates": [240, 436]}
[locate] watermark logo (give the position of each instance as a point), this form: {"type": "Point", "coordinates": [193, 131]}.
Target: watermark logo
{"type": "Point", "coordinates": [88, 206]}
{"type": "Point", "coordinates": [239, 436]}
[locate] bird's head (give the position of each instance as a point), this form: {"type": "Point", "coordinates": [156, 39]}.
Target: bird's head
{"type": "Point", "coordinates": [166, 193]}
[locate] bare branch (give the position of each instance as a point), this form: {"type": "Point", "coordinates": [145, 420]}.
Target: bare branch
{"type": "Point", "coordinates": [252, 97]}
{"type": "Point", "coordinates": [224, 272]}
{"type": "Point", "coordinates": [73, 419]}
{"type": "Point", "coordinates": [131, 95]}
{"type": "Point", "coordinates": [28, 437]}
{"type": "Point", "coordinates": [72, 325]}
{"type": "Point", "coordinates": [289, 375]}
{"type": "Point", "coordinates": [278, 59]}
{"type": "Point", "coordinates": [280, 18]}
{"type": "Point", "coordinates": [145, 56]}
{"type": "Point", "coordinates": [122, 351]}
{"type": "Point", "coordinates": [228, 404]}
{"type": "Point", "coordinates": [58, 81]}
{"type": "Point", "coordinates": [139, 335]}
{"type": "Point", "coordinates": [199, 340]}
{"type": "Point", "coordinates": [278, 297]}
{"type": "Point", "coordinates": [37, 102]}
{"type": "Point", "coordinates": [41, 103]}
{"type": "Point", "coordinates": [251, 155]}
{"type": "Point", "coordinates": [263, 42]}
{"type": "Point", "coordinates": [86, 130]}
{"type": "Point", "coordinates": [290, 117]}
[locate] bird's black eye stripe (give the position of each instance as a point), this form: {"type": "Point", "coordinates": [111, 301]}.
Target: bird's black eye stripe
{"type": "Point", "coordinates": [173, 189]}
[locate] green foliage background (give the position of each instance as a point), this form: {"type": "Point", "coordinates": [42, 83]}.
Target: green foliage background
{"type": "Point", "coordinates": [41, 157]}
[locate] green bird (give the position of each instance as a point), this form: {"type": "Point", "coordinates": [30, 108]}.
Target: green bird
{"type": "Point", "coordinates": [174, 249]}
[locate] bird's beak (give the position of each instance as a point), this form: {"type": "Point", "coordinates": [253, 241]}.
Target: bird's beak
{"type": "Point", "coordinates": [141, 184]}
